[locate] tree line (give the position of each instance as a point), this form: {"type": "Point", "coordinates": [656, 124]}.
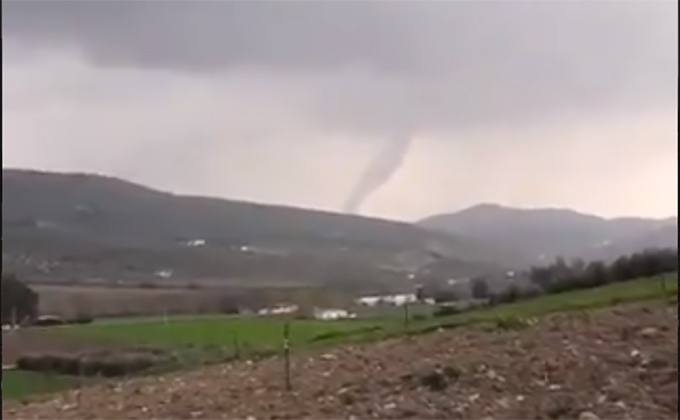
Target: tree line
{"type": "Point", "coordinates": [562, 276]}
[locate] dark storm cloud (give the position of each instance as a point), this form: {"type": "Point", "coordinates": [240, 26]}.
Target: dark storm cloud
{"type": "Point", "coordinates": [524, 103]}
{"type": "Point", "coordinates": [465, 61]}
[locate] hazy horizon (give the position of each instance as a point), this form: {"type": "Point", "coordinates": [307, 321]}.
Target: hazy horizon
{"type": "Point", "coordinates": [399, 110]}
{"type": "Point", "coordinates": [442, 211]}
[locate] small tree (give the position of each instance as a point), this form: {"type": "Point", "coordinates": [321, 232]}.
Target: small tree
{"type": "Point", "coordinates": [18, 300]}
{"type": "Point", "coordinates": [480, 289]}
{"type": "Point", "coordinates": [420, 293]}
{"type": "Point", "coordinates": [595, 274]}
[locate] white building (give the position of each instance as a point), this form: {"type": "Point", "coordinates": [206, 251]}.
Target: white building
{"type": "Point", "coordinates": [397, 299]}
{"type": "Point", "coordinates": [331, 314]}
{"type": "Point", "coordinates": [278, 310]}
{"type": "Point", "coordinates": [195, 242]}
{"type": "Point", "coordinates": [164, 274]}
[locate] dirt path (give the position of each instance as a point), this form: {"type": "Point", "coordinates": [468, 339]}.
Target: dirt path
{"type": "Point", "coordinates": [614, 363]}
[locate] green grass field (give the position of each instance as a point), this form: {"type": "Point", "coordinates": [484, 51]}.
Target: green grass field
{"type": "Point", "coordinates": [611, 294]}
{"type": "Point", "coordinates": [266, 332]}
{"type": "Point", "coordinates": [258, 333]}
{"type": "Point", "coordinates": [217, 331]}
{"type": "Point", "coordinates": [18, 384]}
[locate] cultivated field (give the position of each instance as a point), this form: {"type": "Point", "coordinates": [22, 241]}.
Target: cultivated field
{"type": "Point", "coordinates": [70, 301]}
{"type": "Point", "coordinates": [96, 301]}
{"type": "Point", "coordinates": [251, 335]}
{"type": "Point", "coordinates": [190, 341]}
{"type": "Point", "coordinates": [616, 362]}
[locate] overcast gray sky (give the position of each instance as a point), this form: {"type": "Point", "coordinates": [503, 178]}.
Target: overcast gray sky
{"type": "Point", "coordinates": [532, 103]}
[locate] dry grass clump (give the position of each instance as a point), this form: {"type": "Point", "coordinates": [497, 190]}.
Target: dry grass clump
{"type": "Point", "coordinates": [98, 363]}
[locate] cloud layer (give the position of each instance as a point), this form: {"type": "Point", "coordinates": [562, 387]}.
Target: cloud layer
{"type": "Point", "coordinates": [526, 103]}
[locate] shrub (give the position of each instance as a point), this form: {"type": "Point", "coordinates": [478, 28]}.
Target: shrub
{"type": "Point", "coordinates": [48, 322]}
{"type": "Point", "coordinates": [446, 310]}
{"type": "Point", "coordinates": [419, 317]}
{"type": "Point", "coordinates": [512, 294]}
{"type": "Point", "coordinates": [106, 364]}
{"type": "Point", "coordinates": [39, 362]}
{"type": "Point", "coordinates": [440, 378]}
{"type": "Point", "coordinates": [81, 319]}
{"type": "Point", "coordinates": [480, 289]}
{"type": "Point", "coordinates": [511, 322]}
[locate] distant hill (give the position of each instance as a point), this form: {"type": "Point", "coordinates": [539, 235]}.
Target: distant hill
{"type": "Point", "coordinates": [544, 234]}
{"type": "Point", "coordinates": [76, 226]}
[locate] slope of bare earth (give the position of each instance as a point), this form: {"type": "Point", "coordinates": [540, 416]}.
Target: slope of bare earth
{"type": "Point", "coordinates": [613, 363]}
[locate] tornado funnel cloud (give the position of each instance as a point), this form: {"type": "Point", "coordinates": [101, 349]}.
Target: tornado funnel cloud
{"type": "Point", "coordinates": [379, 171]}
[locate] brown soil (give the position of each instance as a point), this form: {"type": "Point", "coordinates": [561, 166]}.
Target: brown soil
{"type": "Point", "coordinates": [69, 301]}
{"type": "Point", "coordinates": [28, 340]}
{"type": "Point", "coordinates": [47, 340]}
{"type": "Point", "coordinates": [614, 363]}
{"type": "Point", "coordinates": [98, 302]}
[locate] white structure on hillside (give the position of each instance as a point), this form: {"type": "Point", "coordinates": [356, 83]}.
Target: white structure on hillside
{"type": "Point", "coordinates": [396, 300]}
{"type": "Point", "coordinates": [164, 274]}
{"type": "Point", "coordinates": [457, 281]}
{"type": "Point", "coordinates": [278, 310]}
{"type": "Point", "coordinates": [330, 314]}
{"type": "Point", "coordinates": [195, 242]}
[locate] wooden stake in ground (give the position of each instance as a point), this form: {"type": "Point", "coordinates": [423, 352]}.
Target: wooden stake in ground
{"type": "Point", "coordinates": [81, 378]}
{"type": "Point", "coordinates": [14, 319]}
{"type": "Point", "coordinates": [664, 289]}
{"type": "Point", "coordinates": [237, 348]}
{"type": "Point", "coordinates": [406, 315]}
{"type": "Point", "coordinates": [286, 355]}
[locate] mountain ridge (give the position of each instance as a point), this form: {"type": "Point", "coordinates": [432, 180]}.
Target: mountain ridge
{"type": "Point", "coordinates": [548, 209]}
{"type": "Point", "coordinates": [90, 221]}
{"type": "Point", "coordinates": [547, 233]}
{"type": "Point", "coordinates": [71, 225]}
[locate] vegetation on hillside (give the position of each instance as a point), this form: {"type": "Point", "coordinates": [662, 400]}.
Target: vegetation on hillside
{"type": "Point", "coordinates": [644, 289]}
{"type": "Point", "coordinates": [110, 229]}
{"type": "Point", "coordinates": [562, 276]}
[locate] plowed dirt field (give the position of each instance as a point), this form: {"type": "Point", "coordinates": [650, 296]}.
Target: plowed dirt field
{"type": "Point", "coordinates": [613, 363]}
